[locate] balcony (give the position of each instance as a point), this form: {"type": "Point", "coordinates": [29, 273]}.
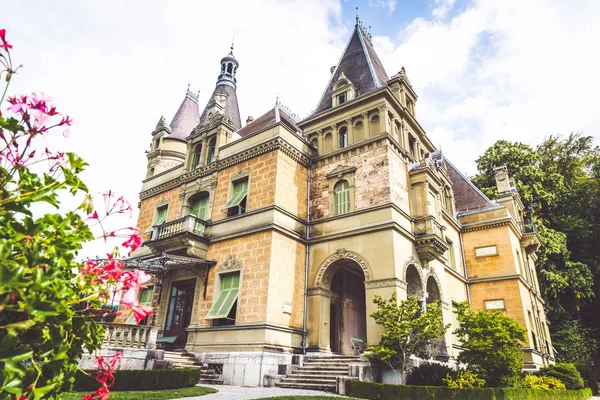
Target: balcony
{"type": "Point", "coordinates": [429, 242]}
{"type": "Point", "coordinates": [129, 336]}
{"type": "Point", "coordinates": [529, 239]}
{"type": "Point", "coordinates": [183, 233]}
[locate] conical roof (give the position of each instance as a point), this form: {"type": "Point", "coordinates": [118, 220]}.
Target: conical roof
{"type": "Point", "coordinates": [232, 109]}
{"type": "Point", "coordinates": [186, 118]}
{"type": "Point", "coordinates": [360, 65]}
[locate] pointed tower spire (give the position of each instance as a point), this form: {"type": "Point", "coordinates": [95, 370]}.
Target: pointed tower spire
{"type": "Point", "coordinates": [227, 85]}
{"type": "Point", "coordinates": [360, 65]}
{"type": "Point", "coordinates": [186, 118]}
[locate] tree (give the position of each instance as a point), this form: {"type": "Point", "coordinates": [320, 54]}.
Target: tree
{"type": "Point", "coordinates": [559, 181]}
{"type": "Point", "coordinates": [492, 344]}
{"type": "Point", "coordinates": [48, 299]}
{"type": "Point", "coordinates": [408, 330]}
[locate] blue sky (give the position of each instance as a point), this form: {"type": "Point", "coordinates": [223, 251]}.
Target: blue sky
{"type": "Point", "coordinates": [484, 70]}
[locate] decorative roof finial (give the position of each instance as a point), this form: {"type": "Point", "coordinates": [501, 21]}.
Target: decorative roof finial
{"type": "Point", "coordinates": [277, 100]}
{"type": "Point", "coordinates": [232, 41]}
{"type": "Point", "coordinates": [357, 20]}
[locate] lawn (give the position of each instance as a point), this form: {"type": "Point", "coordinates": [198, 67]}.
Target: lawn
{"type": "Point", "coordinates": [149, 394]}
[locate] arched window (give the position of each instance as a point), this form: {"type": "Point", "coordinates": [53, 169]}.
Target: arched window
{"type": "Point", "coordinates": [196, 156]}
{"type": "Point", "coordinates": [315, 142]}
{"type": "Point", "coordinates": [198, 205]}
{"type": "Point", "coordinates": [343, 137]}
{"type": "Point", "coordinates": [210, 150]}
{"type": "Point", "coordinates": [229, 68]}
{"type": "Point", "coordinates": [341, 197]}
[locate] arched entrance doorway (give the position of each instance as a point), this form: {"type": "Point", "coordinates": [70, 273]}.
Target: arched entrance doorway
{"type": "Point", "coordinates": [413, 281]}
{"type": "Point", "coordinates": [347, 314]}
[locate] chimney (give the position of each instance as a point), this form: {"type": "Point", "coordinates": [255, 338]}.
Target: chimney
{"type": "Point", "coordinates": [249, 119]}
{"type": "Point", "coordinates": [502, 181]}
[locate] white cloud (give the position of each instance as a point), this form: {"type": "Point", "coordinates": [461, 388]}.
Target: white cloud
{"type": "Point", "coordinates": [117, 67]}
{"type": "Point", "coordinates": [515, 70]}
{"type": "Point", "coordinates": [390, 5]}
{"type": "Point", "coordinates": [442, 7]}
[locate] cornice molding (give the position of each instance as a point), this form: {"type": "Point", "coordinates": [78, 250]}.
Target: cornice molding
{"type": "Point", "coordinates": [277, 143]}
{"type": "Point", "coordinates": [482, 226]}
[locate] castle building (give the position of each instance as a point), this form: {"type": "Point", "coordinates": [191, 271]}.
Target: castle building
{"type": "Point", "coordinates": [272, 239]}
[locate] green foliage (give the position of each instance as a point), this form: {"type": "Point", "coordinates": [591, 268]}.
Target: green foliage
{"type": "Point", "coordinates": [150, 394]}
{"type": "Point", "coordinates": [573, 343]}
{"type": "Point", "coordinates": [141, 379]}
{"type": "Point", "coordinates": [492, 344]}
{"type": "Point", "coordinates": [590, 377]}
{"type": "Point", "coordinates": [541, 382]}
{"type": "Point", "coordinates": [408, 330]}
{"type": "Point", "coordinates": [463, 380]}
{"type": "Point", "coordinates": [380, 391]}
{"type": "Point", "coordinates": [566, 373]}
{"type": "Point", "coordinates": [429, 374]}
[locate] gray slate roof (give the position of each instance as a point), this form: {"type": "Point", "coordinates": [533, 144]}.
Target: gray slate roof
{"type": "Point", "coordinates": [466, 195]}
{"type": "Point", "coordinates": [268, 120]}
{"type": "Point", "coordinates": [360, 65]}
{"type": "Point", "coordinates": [232, 110]}
{"type": "Point", "coordinates": [185, 120]}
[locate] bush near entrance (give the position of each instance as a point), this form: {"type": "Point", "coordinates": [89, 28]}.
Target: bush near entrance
{"type": "Point", "coordinates": [377, 391]}
{"type": "Point", "coordinates": [142, 379]}
{"type": "Point", "coordinates": [566, 373]}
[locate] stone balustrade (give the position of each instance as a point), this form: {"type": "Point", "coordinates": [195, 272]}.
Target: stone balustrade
{"type": "Point", "coordinates": [186, 224]}
{"type": "Point", "coordinates": [129, 336]}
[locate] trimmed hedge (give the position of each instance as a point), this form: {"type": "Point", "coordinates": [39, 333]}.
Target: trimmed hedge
{"type": "Point", "coordinates": [429, 374]}
{"type": "Point", "coordinates": [377, 391]}
{"type": "Point", "coordinates": [141, 380]}
{"type": "Point", "coordinates": [566, 373]}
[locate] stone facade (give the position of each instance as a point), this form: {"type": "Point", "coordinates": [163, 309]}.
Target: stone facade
{"type": "Point", "coordinates": [286, 230]}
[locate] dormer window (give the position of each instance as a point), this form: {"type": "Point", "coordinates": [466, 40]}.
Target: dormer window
{"type": "Point", "coordinates": [343, 91]}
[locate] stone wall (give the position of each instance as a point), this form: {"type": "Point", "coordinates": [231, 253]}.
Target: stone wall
{"type": "Point", "coordinates": [291, 185]}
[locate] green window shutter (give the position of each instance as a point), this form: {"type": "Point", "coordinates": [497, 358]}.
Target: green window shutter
{"type": "Point", "coordinates": [161, 215]}
{"type": "Point", "coordinates": [146, 297]}
{"type": "Point", "coordinates": [240, 191]}
{"type": "Point", "coordinates": [341, 198]}
{"type": "Point", "coordinates": [229, 294]}
{"type": "Point", "coordinates": [199, 208]}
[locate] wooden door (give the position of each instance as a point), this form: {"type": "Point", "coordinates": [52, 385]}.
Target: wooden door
{"type": "Point", "coordinates": [179, 310]}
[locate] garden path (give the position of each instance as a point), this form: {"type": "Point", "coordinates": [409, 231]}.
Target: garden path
{"type": "Point", "coordinates": [248, 393]}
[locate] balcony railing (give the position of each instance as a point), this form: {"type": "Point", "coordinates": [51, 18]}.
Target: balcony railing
{"type": "Point", "coordinates": [189, 224]}
{"type": "Point", "coordinates": [527, 227]}
{"type": "Point", "coordinates": [130, 336]}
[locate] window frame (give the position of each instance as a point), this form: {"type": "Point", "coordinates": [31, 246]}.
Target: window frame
{"type": "Point", "coordinates": [341, 198]}
{"type": "Point", "coordinates": [157, 214]}
{"type": "Point", "coordinates": [227, 299]}
{"type": "Point", "coordinates": [237, 202]}
{"type": "Point", "coordinates": [211, 150]}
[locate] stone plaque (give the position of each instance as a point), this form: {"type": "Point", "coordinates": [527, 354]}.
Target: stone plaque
{"type": "Point", "coordinates": [486, 251]}
{"type": "Point", "coordinates": [287, 308]}
{"type": "Point", "coordinates": [494, 304]}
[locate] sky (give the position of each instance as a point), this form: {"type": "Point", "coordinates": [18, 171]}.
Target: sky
{"type": "Point", "coordinates": [516, 70]}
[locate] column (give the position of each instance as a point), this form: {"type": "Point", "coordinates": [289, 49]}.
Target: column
{"type": "Point", "coordinates": [334, 136]}
{"type": "Point", "coordinates": [366, 127]}
{"type": "Point", "coordinates": [404, 134]}
{"type": "Point", "coordinates": [395, 135]}
{"type": "Point", "coordinates": [203, 152]}
{"type": "Point", "coordinates": [350, 131]}
{"type": "Point", "coordinates": [320, 140]}
{"type": "Point", "coordinates": [383, 119]}
{"type": "Point", "coordinates": [422, 300]}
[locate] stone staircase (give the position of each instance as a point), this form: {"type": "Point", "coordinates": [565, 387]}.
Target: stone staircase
{"type": "Point", "coordinates": [181, 359]}
{"type": "Point", "coordinates": [319, 373]}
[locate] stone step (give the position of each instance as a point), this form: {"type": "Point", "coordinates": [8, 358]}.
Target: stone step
{"type": "Point", "coordinates": [323, 367]}
{"type": "Point", "coordinates": [312, 374]}
{"type": "Point", "coordinates": [324, 387]}
{"type": "Point", "coordinates": [211, 381]}
{"type": "Point", "coordinates": [338, 359]}
{"type": "Point", "coordinates": [312, 380]}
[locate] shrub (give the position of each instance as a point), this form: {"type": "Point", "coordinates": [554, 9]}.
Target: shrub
{"type": "Point", "coordinates": [589, 375]}
{"type": "Point", "coordinates": [142, 380]}
{"type": "Point", "coordinates": [380, 391]}
{"type": "Point", "coordinates": [429, 374]}
{"type": "Point", "coordinates": [541, 382]}
{"type": "Point", "coordinates": [464, 379]}
{"type": "Point", "coordinates": [566, 373]}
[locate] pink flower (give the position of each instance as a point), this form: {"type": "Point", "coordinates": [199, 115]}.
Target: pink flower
{"type": "Point", "coordinates": [130, 297]}
{"type": "Point", "coordinates": [141, 311]}
{"type": "Point", "coordinates": [134, 242]}
{"type": "Point", "coordinates": [3, 39]}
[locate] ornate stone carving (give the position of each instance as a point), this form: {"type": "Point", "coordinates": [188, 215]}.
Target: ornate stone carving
{"type": "Point", "coordinates": [240, 174]}
{"type": "Point", "coordinates": [384, 283]}
{"type": "Point", "coordinates": [413, 261]}
{"type": "Point", "coordinates": [230, 264]}
{"type": "Point", "coordinates": [433, 275]}
{"type": "Point", "coordinates": [339, 255]}
{"type": "Point", "coordinates": [340, 170]}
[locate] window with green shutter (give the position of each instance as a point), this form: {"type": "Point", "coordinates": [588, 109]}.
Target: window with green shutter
{"type": "Point", "coordinates": [210, 150]}
{"type": "Point", "coordinates": [199, 207]}
{"type": "Point", "coordinates": [145, 299]}
{"type": "Point", "coordinates": [223, 305]}
{"type": "Point", "coordinates": [161, 215]}
{"type": "Point", "coordinates": [236, 204]}
{"type": "Point", "coordinates": [196, 157]}
{"type": "Point", "coordinates": [341, 197]}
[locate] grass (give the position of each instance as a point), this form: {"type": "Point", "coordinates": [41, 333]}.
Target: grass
{"type": "Point", "coordinates": [149, 394]}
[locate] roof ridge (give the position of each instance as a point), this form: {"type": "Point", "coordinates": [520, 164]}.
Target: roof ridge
{"type": "Point", "coordinates": [369, 62]}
